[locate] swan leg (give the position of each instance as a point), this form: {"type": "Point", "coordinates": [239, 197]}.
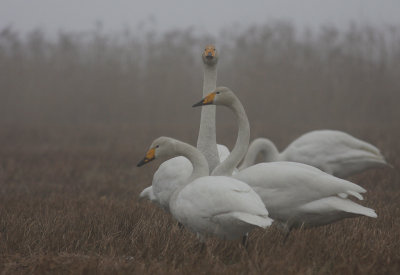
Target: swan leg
{"type": "Point", "coordinates": [245, 240]}
{"type": "Point", "coordinates": [181, 226]}
{"type": "Point", "coordinates": [286, 229]}
{"type": "Point", "coordinates": [286, 236]}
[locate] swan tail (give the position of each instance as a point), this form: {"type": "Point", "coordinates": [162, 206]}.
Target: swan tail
{"type": "Point", "coordinates": [147, 193]}
{"type": "Point", "coordinates": [260, 221]}
{"type": "Point", "coordinates": [327, 205]}
{"type": "Point", "coordinates": [355, 194]}
{"type": "Point", "coordinates": [352, 207]}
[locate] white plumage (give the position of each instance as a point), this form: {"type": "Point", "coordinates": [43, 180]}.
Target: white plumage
{"type": "Point", "coordinates": [297, 194]}
{"type": "Point", "coordinates": [294, 193]}
{"type": "Point", "coordinates": [171, 175]}
{"type": "Point", "coordinates": [334, 152]}
{"type": "Point", "coordinates": [210, 205]}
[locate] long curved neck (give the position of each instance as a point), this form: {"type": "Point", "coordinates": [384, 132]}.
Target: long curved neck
{"type": "Point", "coordinates": [199, 162]}
{"type": "Point", "coordinates": [227, 167]}
{"type": "Point", "coordinates": [260, 146]}
{"type": "Point", "coordinates": [207, 140]}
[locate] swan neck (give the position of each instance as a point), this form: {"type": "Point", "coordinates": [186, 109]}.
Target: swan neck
{"type": "Point", "coordinates": [200, 168]}
{"type": "Point", "coordinates": [227, 167]}
{"type": "Point", "coordinates": [260, 146]}
{"type": "Point", "coordinates": [207, 140]}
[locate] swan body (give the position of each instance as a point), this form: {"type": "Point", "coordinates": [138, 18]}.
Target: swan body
{"type": "Point", "coordinates": [295, 194]}
{"type": "Point", "coordinates": [170, 175]}
{"type": "Point", "coordinates": [334, 152]}
{"type": "Point", "coordinates": [210, 205]}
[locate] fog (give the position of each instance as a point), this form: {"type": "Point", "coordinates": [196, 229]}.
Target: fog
{"type": "Point", "coordinates": [146, 73]}
{"type": "Point", "coordinates": [205, 16]}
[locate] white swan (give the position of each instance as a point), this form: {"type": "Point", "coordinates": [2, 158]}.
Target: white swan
{"type": "Point", "coordinates": [294, 193]}
{"type": "Point", "coordinates": [207, 141]}
{"type": "Point", "coordinates": [174, 172]}
{"type": "Point", "coordinates": [210, 205]}
{"type": "Point", "coordinates": [170, 175]}
{"type": "Point", "coordinates": [334, 152]}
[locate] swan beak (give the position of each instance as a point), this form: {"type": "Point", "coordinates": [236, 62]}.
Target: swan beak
{"type": "Point", "coordinates": [208, 100]}
{"type": "Point", "coordinates": [150, 155]}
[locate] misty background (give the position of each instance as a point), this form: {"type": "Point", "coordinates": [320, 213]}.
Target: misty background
{"type": "Point", "coordinates": [133, 69]}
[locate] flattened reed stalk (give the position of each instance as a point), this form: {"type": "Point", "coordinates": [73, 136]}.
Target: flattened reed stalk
{"type": "Point", "coordinates": [78, 113]}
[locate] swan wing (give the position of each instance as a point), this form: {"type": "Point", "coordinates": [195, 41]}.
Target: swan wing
{"type": "Point", "coordinates": [326, 205]}
{"type": "Point", "coordinates": [335, 152]}
{"type": "Point", "coordinates": [288, 184]}
{"type": "Point", "coordinates": [220, 206]}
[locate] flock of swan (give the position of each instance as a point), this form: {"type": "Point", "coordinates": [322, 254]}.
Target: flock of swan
{"type": "Point", "coordinates": [206, 190]}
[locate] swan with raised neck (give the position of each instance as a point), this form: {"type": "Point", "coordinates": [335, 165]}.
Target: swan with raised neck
{"type": "Point", "coordinates": [225, 97]}
{"type": "Point", "coordinates": [207, 141]}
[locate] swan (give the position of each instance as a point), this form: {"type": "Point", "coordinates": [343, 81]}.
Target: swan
{"type": "Point", "coordinates": [207, 141]}
{"type": "Point", "coordinates": [170, 175]}
{"type": "Point", "coordinates": [334, 152]}
{"type": "Point", "coordinates": [210, 205]}
{"type": "Point", "coordinates": [295, 194]}
{"type": "Point", "coordinates": [174, 172]}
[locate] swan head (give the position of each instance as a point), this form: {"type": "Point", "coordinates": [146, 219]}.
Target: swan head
{"type": "Point", "coordinates": [160, 147]}
{"type": "Point", "coordinates": [220, 96]}
{"type": "Point", "coordinates": [210, 55]}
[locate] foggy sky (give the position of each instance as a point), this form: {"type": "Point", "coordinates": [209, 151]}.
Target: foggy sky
{"type": "Point", "coordinates": [208, 16]}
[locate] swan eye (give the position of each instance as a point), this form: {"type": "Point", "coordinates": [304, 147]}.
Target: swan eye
{"type": "Point", "coordinates": [217, 93]}
{"type": "Point", "coordinates": [157, 146]}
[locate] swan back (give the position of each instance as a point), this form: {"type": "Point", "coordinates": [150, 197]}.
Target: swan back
{"type": "Point", "coordinates": [334, 152]}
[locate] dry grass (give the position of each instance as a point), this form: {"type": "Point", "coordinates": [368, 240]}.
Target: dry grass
{"type": "Point", "coordinates": [71, 206]}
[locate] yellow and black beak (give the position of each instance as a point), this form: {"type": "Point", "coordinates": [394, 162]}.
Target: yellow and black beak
{"type": "Point", "coordinates": [150, 155]}
{"type": "Point", "coordinates": [208, 100]}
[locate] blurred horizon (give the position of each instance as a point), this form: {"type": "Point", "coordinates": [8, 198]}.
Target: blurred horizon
{"type": "Point", "coordinates": [325, 78]}
{"type": "Point", "coordinates": [206, 17]}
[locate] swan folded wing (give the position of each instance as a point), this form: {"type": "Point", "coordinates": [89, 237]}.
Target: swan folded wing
{"type": "Point", "coordinates": [329, 147]}
{"type": "Point", "coordinates": [336, 204]}
{"type": "Point", "coordinates": [357, 144]}
{"type": "Point", "coordinates": [286, 183]}
{"type": "Point", "coordinates": [212, 196]}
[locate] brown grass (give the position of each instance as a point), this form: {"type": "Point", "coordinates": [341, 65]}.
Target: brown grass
{"type": "Point", "coordinates": [76, 118]}
{"type": "Point", "coordinates": [73, 208]}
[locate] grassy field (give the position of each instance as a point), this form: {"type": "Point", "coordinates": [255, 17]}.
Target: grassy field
{"type": "Point", "coordinates": [78, 112]}
{"type": "Point", "coordinates": [69, 204]}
